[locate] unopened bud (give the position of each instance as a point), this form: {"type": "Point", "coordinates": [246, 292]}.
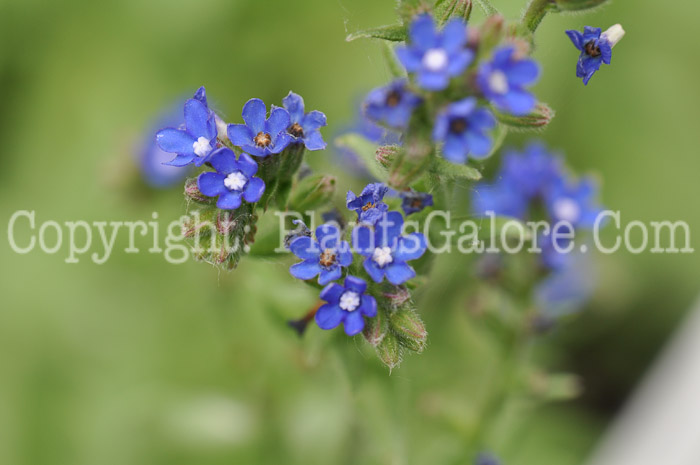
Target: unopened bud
{"type": "Point", "coordinates": [225, 222]}
{"type": "Point", "coordinates": [539, 118]}
{"type": "Point", "coordinates": [614, 34]}
{"type": "Point", "coordinates": [410, 330]}
{"type": "Point", "coordinates": [192, 191]}
{"type": "Point", "coordinates": [389, 351]}
{"type": "Point", "coordinates": [577, 5]}
{"type": "Point", "coordinates": [312, 192]}
{"type": "Point", "coordinates": [398, 296]}
{"type": "Point", "coordinates": [491, 33]}
{"type": "Point", "coordinates": [446, 11]}
{"type": "Point", "coordinates": [386, 154]}
{"type": "Point", "coordinates": [376, 328]}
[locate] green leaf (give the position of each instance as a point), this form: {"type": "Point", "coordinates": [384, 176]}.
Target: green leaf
{"type": "Point", "coordinates": [448, 170]}
{"type": "Point", "coordinates": [393, 33]}
{"type": "Point", "coordinates": [365, 150]}
{"type": "Point", "coordinates": [395, 68]}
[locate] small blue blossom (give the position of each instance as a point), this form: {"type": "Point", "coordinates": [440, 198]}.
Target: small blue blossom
{"type": "Point", "coordinates": [502, 81]}
{"type": "Point", "coordinates": [568, 288]}
{"type": "Point", "coordinates": [414, 201]}
{"type": "Point", "coordinates": [259, 136]}
{"type": "Point", "coordinates": [574, 201]}
{"type": "Point", "coordinates": [386, 251]}
{"type": "Point", "coordinates": [391, 105]}
{"type": "Point", "coordinates": [233, 181]}
{"type": "Point", "coordinates": [462, 126]}
{"type": "Point", "coordinates": [325, 256]}
{"type": "Point", "coordinates": [596, 48]}
{"type": "Point", "coordinates": [369, 205]}
{"type": "Point", "coordinates": [347, 304]}
{"type": "Point", "coordinates": [194, 142]}
{"type": "Point", "coordinates": [435, 56]}
{"type": "Point", "coordinates": [152, 159]}
{"type": "Point", "coordinates": [304, 127]}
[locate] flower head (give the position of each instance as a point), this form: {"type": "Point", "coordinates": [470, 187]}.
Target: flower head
{"type": "Point", "coordinates": [392, 104]}
{"type": "Point", "coordinates": [304, 127]}
{"type": "Point", "coordinates": [386, 251]}
{"type": "Point", "coordinates": [233, 181]}
{"type": "Point", "coordinates": [369, 205]}
{"type": "Point", "coordinates": [502, 81]}
{"type": "Point", "coordinates": [325, 256]}
{"type": "Point", "coordinates": [347, 304]}
{"type": "Point", "coordinates": [259, 136]}
{"type": "Point", "coordinates": [414, 201]}
{"type": "Point", "coordinates": [436, 56]}
{"type": "Point", "coordinates": [595, 47]}
{"type": "Point", "coordinates": [574, 201]}
{"type": "Point", "coordinates": [462, 126]}
{"type": "Point", "coordinates": [194, 142]}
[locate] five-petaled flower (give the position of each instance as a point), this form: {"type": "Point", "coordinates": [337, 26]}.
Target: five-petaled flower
{"type": "Point", "coordinates": [369, 205]}
{"type": "Point", "coordinates": [461, 127]}
{"type": "Point", "coordinates": [347, 304]}
{"type": "Point", "coordinates": [304, 127]}
{"type": "Point", "coordinates": [325, 256]}
{"type": "Point", "coordinates": [436, 56]}
{"type": "Point", "coordinates": [233, 181]}
{"type": "Point", "coordinates": [197, 140]}
{"type": "Point", "coordinates": [391, 105]}
{"type": "Point", "coordinates": [259, 136]}
{"type": "Point", "coordinates": [595, 47]}
{"type": "Point", "coordinates": [414, 201]}
{"type": "Point", "coordinates": [386, 251]}
{"type": "Point", "coordinates": [502, 80]}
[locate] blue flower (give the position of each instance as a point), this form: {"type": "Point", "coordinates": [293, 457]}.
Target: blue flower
{"type": "Point", "coordinates": [304, 127]}
{"type": "Point", "coordinates": [487, 459]}
{"type": "Point", "coordinates": [595, 47]}
{"type": "Point", "coordinates": [436, 56]}
{"type": "Point", "coordinates": [566, 289]}
{"type": "Point", "coordinates": [392, 104]}
{"type": "Point", "coordinates": [259, 136]}
{"type": "Point", "coordinates": [156, 173]}
{"type": "Point", "coordinates": [413, 201]}
{"type": "Point", "coordinates": [233, 180]}
{"type": "Point", "coordinates": [197, 140]}
{"type": "Point", "coordinates": [386, 250]}
{"type": "Point", "coordinates": [347, 304]}
{"type": "Point", "coordinates": [574, 201]}
{"type": "Point", "coordinates": [502, 80]}
{"type": "Point", "coordinates": [461, 126]}
{"type": "Point", "coordinates": [325, 256]}
{"type": "Point", "coordinates": [369, 205]}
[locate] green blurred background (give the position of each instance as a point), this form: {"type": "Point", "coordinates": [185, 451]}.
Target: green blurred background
{"type": "Point", "coordinates": [141, 362]}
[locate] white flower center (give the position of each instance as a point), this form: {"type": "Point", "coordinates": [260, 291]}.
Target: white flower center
{"type": "Point", "coordinates": [498, 82]}
{"type": "Point", "coordinates": [382, 256]}
{"type": "Point", "coordinates": [435, 59]}
{"type": "Point", "coordinates": [201, 146]}
{"type": "Point", "coordinates": [614, 34]}
{"type": "Point", "coordinates": [349, 301]}
{"type": "Point", "coordinates": [567, 210]}
{"type": "Point", "coordinates": [235, 181]}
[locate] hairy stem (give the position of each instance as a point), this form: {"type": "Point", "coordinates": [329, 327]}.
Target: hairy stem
{"type": "Point", "coordinates": [535, 12]}
{"type": "Point", "coordinates": [488, 8]}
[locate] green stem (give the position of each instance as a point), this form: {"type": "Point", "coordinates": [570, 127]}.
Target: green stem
{"type": "Point", "coordinates": [535, 12]}
{"type": "Point", "coordinates": [488, 8]}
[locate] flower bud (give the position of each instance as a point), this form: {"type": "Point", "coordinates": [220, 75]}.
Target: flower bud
{"type": "Point", "coordinates": [537, 119]}
{"type": "Point", "coordinates": [398, 296]}
{"type": "Point", "coordinates": [389, 351]}
{"type": "Point", "coordinates": [490, 33]}
{"type": "Point", "coordinates": [192, 191]}
{"type": "Point", "coordinates": [386, 154]}
{"type": "Point", "coordinates": [376, 328]}
{"type": "Point", "coordinates": [409, 329]}
{"type": "Point", "coordinates": [410, 163]}
{"type": "Point", "coordinates": [312, 192]}
{"type": "Point", "coordinates": [577, 5]}
{"type": "Point", "coordinates": [614, 34]}
{"type": "Point", "coordinates": [447, 10]}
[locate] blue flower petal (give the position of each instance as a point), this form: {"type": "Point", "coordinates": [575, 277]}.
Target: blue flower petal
{"type": "Point", "coordinates": [354, 323]}
{"type": "Point", "coordinates": [314, 141]}
{"type": "Point", "coordinates": [305, 270]}
{"type": "Point", "coordinates": [577, 38]}
{"type": "Point", "coordinates": [329, 316]}
{"type": "Point", "coordinates": [332, 293]}
{"type": "Point", "coordinates": [328, 275]}
{"type": "Point", "coordinates": [523, 72]}
{"type": "Point", "coordinates": [373, 270]}
{"type": "Point", "coordinates": [344, 254]}
{"type": "Point", "coordinates": [355, 284]}
{"type": "Point", "coordinates": [175, 141]}
{"type": "Point", "coordinates": [363, 240]}
{"type": "Point", "coordinates": [459, 62]}
{"type": "Point", "coordinates": [327, 236]}
{"type": "Point", "coordinates": [399, 272]}
{"type": "Point", "coordinates": [479, 144]}
{"type": "Point", "coordinates": [455, 149]}
{"type": "Point", "coordinates": [181, 160]}
{"type": "Point", "coordinates": [201, 95]}
{"type": "Point", "coordinates": [410, 247]}
{"type": "Point", "coordinates": [454, 36]}
{"type": "Point", "coordinates": [223, 160]}
{"type": "Point", "coordinates": [199, 120]}
{"type": "Point", "coordinates": [423, 33]}
{"type": "Point", "coordinates": [277, 122]}
{"type": "Point", "coordinates": [229, 200]}
{"type": "Point", "coordinates": [368, 306]}
{"type": "Point", "coordinates": [211, 184]}
{"type": "Point", "coordinates": [240, 135]}
{"type": "Point", "coordinates": [519, 102]}
{"type": "Point", "coordinates": [294, 104]}
{"type": "Point", "coordinates": [305, 248]}
{"type": "Point", "coordinates": [254, 190]}
{"type": "Point", "coordinates": [409, 58]}
{"type": "Point", "coordinates": [314, 120]}
{"type": "Point", "coordinates": [433, 81]}
{"type": "Point", "coordinates": [388, 228]}
{"type": "Point", "coordinates": [247, 165]}
{"type": "Point", "coordinates": [254, 112]}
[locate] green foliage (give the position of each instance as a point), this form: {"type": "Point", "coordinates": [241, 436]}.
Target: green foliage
{"type": "Point", "coordinates": [392, 33]}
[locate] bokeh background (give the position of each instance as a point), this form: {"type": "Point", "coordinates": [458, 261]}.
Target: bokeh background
{"type": "Point", "coordinates": [142, 362]}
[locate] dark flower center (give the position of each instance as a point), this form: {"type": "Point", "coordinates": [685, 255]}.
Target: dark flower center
{"type": "Point", "coordinates": [458, 125]}
{"type": "Point", "coordinates": [327, 258]}
{"type": "Point", "coordinates": [263, 139]}
{"type": "Point", "coordinates": [393, 98]}
{"type": "Point", "coordinates": [417, 203]}
{"type": "Point", "coordinates": [296, 130]}
{"type": "Point", "coordinates": [592, 49]}
{"type": "Point", "coordinates": [367, 206]}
